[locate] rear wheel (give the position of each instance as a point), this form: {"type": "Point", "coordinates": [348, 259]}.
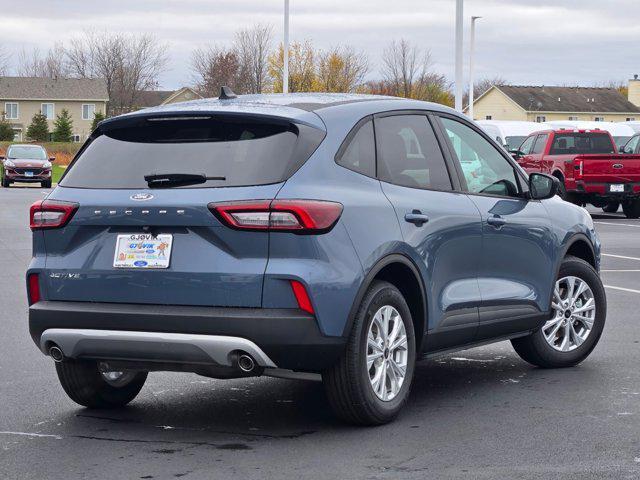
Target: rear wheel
{"type": "Point", "coordinates": [579, 311]}
{"type": "Point", "coordinates": [88, 386]}
{"type": "Point", "coordinates": [611, 207]}
{"type": "Point", "coordinates": [631, 208]}
{"type": "Point", "coordinates": [46, 184]}
{"type": "Point", "coordinates": [371, 382]}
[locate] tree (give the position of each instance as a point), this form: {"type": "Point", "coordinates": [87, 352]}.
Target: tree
{"type": "Point", "coordinates": [302, 68]}
{"type": "Point", "coordinates": [341, 70]}
{"type": "Point", "coordinates": [214, 67]}
{"type": "Point", "coordinates": [63, 127]}
{"type": "Point", "coordinates": [128, 63]}
{"type": "Point", "coordinates": [39, 129]}
{"type": "Point", "coordinates": [6, 131]}
{"type": "Point", "coordinates": [482, 85]}
{"type": "Point", "coordinates": [52, 65]}
{"type": "Point", "coordinates": [251, 47]}
{"type": "Point", "coordinates": [4, 60]}
{"type": "Point", "coordinates": [97, 118]}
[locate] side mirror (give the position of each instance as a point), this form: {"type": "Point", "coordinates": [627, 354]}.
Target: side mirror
{"type": "Point", "coordinates": [516, 154]}
{"type": "Point", "coordinates": [543, 186]}
{"type": "Point", "coordinates": [52, 159]}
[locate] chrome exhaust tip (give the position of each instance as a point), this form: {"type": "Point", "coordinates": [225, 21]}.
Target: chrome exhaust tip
{"type": "Point", "coordinates": [56, 353]}
{"type": "Point", "coordinates": [246, 363]}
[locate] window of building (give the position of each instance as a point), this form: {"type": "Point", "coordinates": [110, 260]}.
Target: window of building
{"type": "Point", "coordinates": [47, 110]}
{"type": "Point", "coordinates": [76, 137]}
{"type": "Point", "coordinates": [489, 117]}
{"type": "Point", "coordinates": [599, 119]}
{"type": "Point", "coordinates": [631, 119]}
{"type": "Point", "coordinates": [541, 119]}
{"type": "Point", "coordinates": [88, 111]}
{"type": "Point", "coordinates": [573, 119]}
{"type": "Point", "coordinates": [11, 111]}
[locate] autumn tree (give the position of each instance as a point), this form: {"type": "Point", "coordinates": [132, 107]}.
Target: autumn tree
{"type": "Point", "coordinates": [214, 67]}
{"type": "Point", "coordinates": [341, 70]}
{"type": "Point", "coordinates": [302, 68]}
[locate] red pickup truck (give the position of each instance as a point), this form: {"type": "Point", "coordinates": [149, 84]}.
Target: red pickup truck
{"type": "Point", "coordinates": [588, 165]}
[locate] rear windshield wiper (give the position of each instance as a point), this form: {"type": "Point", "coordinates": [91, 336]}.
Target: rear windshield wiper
{"type": "Point", "coordinates": [168, 180]}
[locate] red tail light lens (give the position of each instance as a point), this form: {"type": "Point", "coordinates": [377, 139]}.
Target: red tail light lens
{"type": "Point", "coordinates": [297, 216]}
{"type": "Point", "coordinates": [302, 297]}
{"type": "Point", "coordinates": [51, 214]}
{"type": "Point", "coordinates": [34, 288]}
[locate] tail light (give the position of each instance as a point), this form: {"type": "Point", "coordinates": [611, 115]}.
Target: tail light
{"type": "Point", "coordinates": [51, 214]}
{"type": "Point", "coordinates": [302, 297]}
{"type": "Point", "coordinates": [296, 216]}
{"type": "Point", "coordinates": [33, 282]}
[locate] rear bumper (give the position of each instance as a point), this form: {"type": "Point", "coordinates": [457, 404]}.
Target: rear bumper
{"type": "Point", "coordinates": [601, 189]}
{"type": "Point", "coordinates": [283, 338]}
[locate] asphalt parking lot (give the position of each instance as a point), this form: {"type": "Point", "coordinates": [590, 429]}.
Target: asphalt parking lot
{"type": "Point", "coordinates": [478, 414]}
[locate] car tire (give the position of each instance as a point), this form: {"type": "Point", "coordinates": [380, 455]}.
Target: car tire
{"type": "Point", "coordinates": [537, 350]}
{"type": "Point", "coordinates": [5, 183]}
{"type": "Point", "coordinates": [46, 184]}
{"type": "Point", "coordinates": [349, 384]}
{"type": "Point", "coordinates": [611, 207]}
{"type": "Point", "coordinates": [87, 386]}
{"type": "Point", "coordinates": [631, 209]}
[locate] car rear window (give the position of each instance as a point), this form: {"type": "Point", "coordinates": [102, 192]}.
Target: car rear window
{"type": "Point", "coordinates": [244, 151]}
{"type": "Point", "coordinates": [581, 143]}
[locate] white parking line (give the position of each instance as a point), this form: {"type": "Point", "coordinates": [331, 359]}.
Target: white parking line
{"type": "Point", "coordinates": [620, 256]}
{"type": "Point", "coordinates": [622, 289]}
{"type": "Point", "coordinates": [620, 224]}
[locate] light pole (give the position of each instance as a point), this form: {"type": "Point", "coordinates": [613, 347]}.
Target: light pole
{"type": "Point", "coordinates": [472, 51]}
{"type": "Point", "coordinates": [459, 40]}
{"type": "Point", "coordinates": [285, 72]}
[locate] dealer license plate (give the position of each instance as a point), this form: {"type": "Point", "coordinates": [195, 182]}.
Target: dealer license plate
{"type": "Point", "coordinates": [616, 188]}
{"type": "Point", "coordinates": [143, 250]}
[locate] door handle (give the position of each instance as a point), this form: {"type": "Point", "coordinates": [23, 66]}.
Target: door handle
{"type": "Point", "coordinates": [496, 221]}
{"type": "Point", "coordinates": [416, 217]}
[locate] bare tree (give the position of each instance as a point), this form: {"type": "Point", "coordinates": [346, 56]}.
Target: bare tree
{"type": "Point", "coordinates": [4, 60]}
{"type": "Point", "coordinates": [482, 86]}
{"type": "Point", "coordinates": [214, 67]}
{"type": "Point", "coordinates": [128, 64]}
{"type": "Point", "coordinates": [51, 65]}
{"type": "Point", "coordinates": [402, 66]}
{"type": "Point", "coordinates": [341, 70]}
{"type": "Point", "coordinates": [252, 46]}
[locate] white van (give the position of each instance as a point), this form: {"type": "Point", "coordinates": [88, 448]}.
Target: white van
{"type": "Point", "coordinates": [620, 131]}
{"type": "Point", "coordinates": [510, 134]}
{"type": "Point", "coordinates": [635, 125]}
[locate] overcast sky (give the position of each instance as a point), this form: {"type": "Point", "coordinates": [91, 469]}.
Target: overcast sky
{"type": "Point", "coordinates": [525, 41]}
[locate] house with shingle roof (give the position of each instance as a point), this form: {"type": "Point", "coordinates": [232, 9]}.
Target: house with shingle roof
{"type": "Point", "coordinates": [543, 103]}
{"type": "Point", "coordinates": [154, 98]}
{"type": "Point", "coordinates": [22, 97]}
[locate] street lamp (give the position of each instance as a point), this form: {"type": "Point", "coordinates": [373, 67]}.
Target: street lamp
{"type": "Point", "coordinates": [472, 49]}
{"type": "Point", "coordinates": [285, 72]}
{"type": "Point", "coordinates": [459, 40]}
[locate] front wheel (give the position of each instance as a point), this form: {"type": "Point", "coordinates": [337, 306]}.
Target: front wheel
{"type": "Point", "coordinates": [611, 207]}
{"type": "Point", "coordinates": [579, 309]}
{"type": "Point", "coordinates": [5, 182]}
{"type": "Point", "coordinates": [631, 208]}
{"type": "Point", "coordinates": [90, 386]}
{"type": "Point", "coordinates": [370, 383]}
{"type": "Point", "coordinates": [46, 184]}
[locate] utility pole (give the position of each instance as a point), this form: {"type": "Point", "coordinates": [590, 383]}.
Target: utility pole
{"type": "Point", "coordinates": [285, 72]}
{"type": "Point", "coordinates": [472, 52]}
{"type": "Point", "coordinates": [459, 46]}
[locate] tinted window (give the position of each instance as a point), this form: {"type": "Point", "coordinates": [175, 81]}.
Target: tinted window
{"type": "Point", "coordinates": [409, 154]}
{"type": "Point", "coordinates": [243, 151]}
{"type": "Point", "coordinates": [541, 142]}
{"type": "Point", "coordinates": [27, 153]}
{"type": "Point", "coordinates": [581, 143]}
{"type": "Point", "coordinates": [360, 153]}
{"type": "Point", "coordinates": [527, 146]}
{"type": "Point", "coordinates": [485, 169]}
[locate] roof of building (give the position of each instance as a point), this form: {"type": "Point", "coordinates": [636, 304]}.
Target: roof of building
{"type": "Point", "coordinates": [35, 88]}
{"type": "Point", "coordinates": [568, 99]}
{"type": "Point", "coordinates": [152, 98]}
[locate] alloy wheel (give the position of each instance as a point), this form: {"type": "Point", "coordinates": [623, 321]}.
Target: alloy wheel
{"type": "Point", "coordinates": [575, 312]}
{"type": "Point", "coordinates": [387, 353]}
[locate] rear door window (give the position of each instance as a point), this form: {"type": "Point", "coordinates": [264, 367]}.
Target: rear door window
{"type": "Point", "coordinates": [581, 143]}
{"type": "Point", "coordinates": [244, 151]}
{"type": "Point", "coordinates": [359, 154]}
{"type": "Point", "coordinates": [409, 154]}
{"type": "Point", "coordinates": [538, 147]}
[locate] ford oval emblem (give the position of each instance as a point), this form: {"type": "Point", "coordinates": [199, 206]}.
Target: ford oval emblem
{"type": "Point", "coordinates": [618, 165]}
{"type": "Point", "coordinates": [141, 197]}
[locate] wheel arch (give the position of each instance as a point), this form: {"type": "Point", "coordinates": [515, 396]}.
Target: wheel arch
{"type": "Point", "coordinates": [400, 271]}
{"type": "Point", "coordinates": [579, 246]}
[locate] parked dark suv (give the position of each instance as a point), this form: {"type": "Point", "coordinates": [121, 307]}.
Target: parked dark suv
{"type": "Point", "coordinates": [26, 163]}
{"type": "Point", "coordinates": [284, 235]}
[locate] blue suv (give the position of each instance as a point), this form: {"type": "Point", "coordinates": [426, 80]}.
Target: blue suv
{"type": "Point", "coordinates": [289, 235]}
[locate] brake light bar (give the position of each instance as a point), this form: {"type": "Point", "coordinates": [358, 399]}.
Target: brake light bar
{"type": "Point", "coordinates": [48, 214]}
{"type": "Point", "coordinates": [296, 216]}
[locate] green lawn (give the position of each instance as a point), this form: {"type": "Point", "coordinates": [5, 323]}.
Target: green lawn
{"type": "Point", "coordinates": [57, 173]}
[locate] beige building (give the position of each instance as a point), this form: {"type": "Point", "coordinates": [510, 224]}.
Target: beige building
{"type": "Point", "coordinates": [22, 97]}
{"type": "Point", "coordinates": [153, 98]}
{"type": "Point", "coordinates": [545, 104]}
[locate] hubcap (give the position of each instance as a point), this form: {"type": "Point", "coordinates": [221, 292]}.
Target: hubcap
{"type": "Point", "coordinates": [575, 311]}
{"type": "Point", "coordinates": [387, 353]}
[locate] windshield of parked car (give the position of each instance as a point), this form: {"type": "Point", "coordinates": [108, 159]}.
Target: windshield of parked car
{"type": "Point", "coordinates": [26, 153]}
{"type": "Point", "coordinates": [230, 152]}
{"type": "Point", "coordinates": [621, 141]}
{"type": "Point", "coordinates": [578, 143]}
{"type": "Point", "coordinates": [514, 142]}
